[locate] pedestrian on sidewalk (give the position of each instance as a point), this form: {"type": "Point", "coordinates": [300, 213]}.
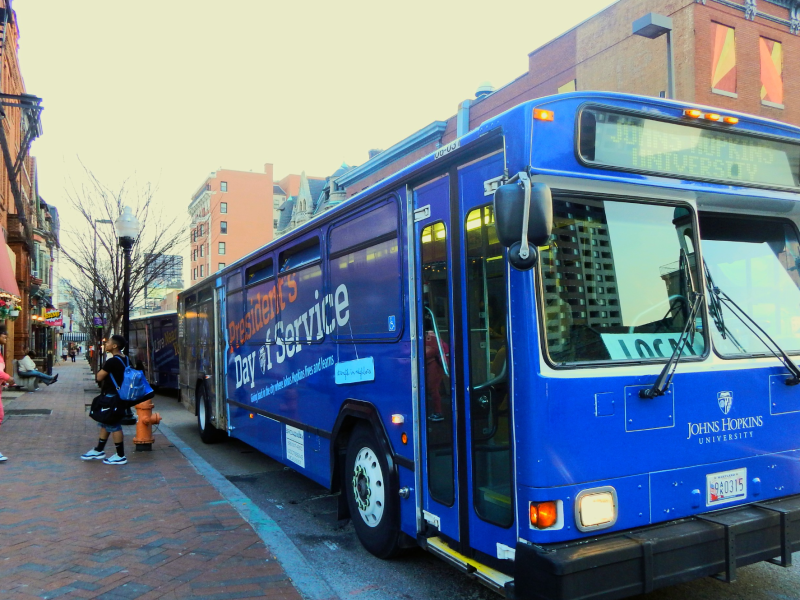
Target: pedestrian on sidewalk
{"type": "Point", "coordinates": [113, 371]}
{"type": "Point", "coordinates": [4, 377]}
{"type": "Point", "coordinates": [72, 354]}
{"type": "Point", "coordinates": [27, 368]}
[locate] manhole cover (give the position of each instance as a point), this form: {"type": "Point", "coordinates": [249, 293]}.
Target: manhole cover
{"type": "Point", "coordinates": [28, 412]}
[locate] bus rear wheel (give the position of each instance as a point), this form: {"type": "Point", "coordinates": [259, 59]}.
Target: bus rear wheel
{"type": "Point", "coordinates": [371, 497]}
{"type": "Point", "coordinates": [208, 433]}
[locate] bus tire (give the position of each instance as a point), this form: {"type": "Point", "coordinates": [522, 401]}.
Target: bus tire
{"type": "Point", "coordinates": [371, 497]}
{"type": "Point", "coordinates": [208, 433]}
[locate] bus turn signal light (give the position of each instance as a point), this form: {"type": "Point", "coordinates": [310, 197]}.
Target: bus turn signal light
{"type": "Point", "coordinates": [731, 120]}
{"type": "Point", "coordinates": [692, 113]}
{"type": "Point", "coordinates": [543, 514]}
{"type": "Point", "coordinates": [712, 117]}
{"type": "Point", "coordinates": [543, 115]}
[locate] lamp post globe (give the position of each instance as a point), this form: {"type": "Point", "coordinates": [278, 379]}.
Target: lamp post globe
{"type": "Point", "coordinates": [127, 225]}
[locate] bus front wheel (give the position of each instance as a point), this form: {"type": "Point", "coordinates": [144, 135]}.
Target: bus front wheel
{"type": "Point", "coordinates": [208, 433]}
{"type": "Point", "coordinates": [371, 497]}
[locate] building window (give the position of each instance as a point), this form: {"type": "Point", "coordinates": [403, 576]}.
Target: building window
{"type": "Point", "coordinates": [220, 266]}
{"type": "Point", "coordinates": [223, 186]}
{"type": "Point", "coordinates": [194, 273]}
{"type": "Point", "coordinates": [202, 246]}
{"type": "Point", "coordinates": [771, 72]}
{"type": "Point", "coordinates": [194, 255]}
{"type": "Point", "coordinates": [723, 63]}
{"type": "Point", "coordinates": [201, 270]}
{"type": "Point", "coordinates": [194, 237]}
{"type": "Point", "coordinates": [223, 208]}
{"type": "Point", "coordinates": [223, 227]}
{"type": "Point", "coordinates": [201, 230]}
{"type": "Point", "coordinates": [221, 249]}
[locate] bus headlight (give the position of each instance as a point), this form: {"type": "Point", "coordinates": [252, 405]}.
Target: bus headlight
{"type": "Point", "coordinates": [596, 508]}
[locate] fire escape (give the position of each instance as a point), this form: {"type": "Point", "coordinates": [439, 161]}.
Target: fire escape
{"type": "Point", "coordinates": [30, 108]}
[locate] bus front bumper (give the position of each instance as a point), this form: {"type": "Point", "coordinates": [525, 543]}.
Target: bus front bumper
{"type": "Point", "coordinates": [642, 560]}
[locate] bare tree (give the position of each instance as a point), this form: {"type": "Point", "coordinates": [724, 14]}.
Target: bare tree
{"type": "Point", "coordinates": [104, 271]}
{"type": "Point", "coordinates": [81, 298]}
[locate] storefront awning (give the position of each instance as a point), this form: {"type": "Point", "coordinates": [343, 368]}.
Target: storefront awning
{"type": "Point", "coordinates": [8, 281]}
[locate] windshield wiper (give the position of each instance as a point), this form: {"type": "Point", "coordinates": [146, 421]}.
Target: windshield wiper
{"type": "Point", "coordinates": [775, 349]}
{"type": "Point", "coordinates": [665, 377]}
{"type": "Point", "coordinates": [715, 310]}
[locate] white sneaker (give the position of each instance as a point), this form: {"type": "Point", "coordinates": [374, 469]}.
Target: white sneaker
{"type": "Point", "coordinates": [116, 460]}
{"type": "Point", "coordinates": [93, 455]}
{"type": "Point", "coordinates": [3, 458]}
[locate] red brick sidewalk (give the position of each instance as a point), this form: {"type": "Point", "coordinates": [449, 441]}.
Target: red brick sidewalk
{"type": "Point", "coordinates": [154, 528]}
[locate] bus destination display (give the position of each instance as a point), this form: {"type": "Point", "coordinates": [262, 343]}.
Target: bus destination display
{"type": "Point", "coordinates": [675, 150]}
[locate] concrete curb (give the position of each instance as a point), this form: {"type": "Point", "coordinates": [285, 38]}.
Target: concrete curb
{"type": "Point", "coordinates": [307, 582]}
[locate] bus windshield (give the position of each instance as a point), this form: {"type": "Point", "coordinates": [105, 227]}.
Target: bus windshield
{"type": "Point", "coordinates": [617, 281]}
{"type": "Point", "coordinates": [755, 261]}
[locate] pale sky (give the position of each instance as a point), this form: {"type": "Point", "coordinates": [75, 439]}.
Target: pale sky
{"type": "Point", "coordinates": [168, 91]}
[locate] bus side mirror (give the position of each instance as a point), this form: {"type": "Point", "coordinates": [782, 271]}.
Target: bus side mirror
{"type": "Point", "coordinates": [515, 201]}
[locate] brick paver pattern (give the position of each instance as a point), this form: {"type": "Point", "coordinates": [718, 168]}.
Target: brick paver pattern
{"type": "Point", "coordinates": [154, 528]}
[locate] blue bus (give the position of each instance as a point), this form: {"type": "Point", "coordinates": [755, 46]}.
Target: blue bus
{"type": "Point", "coordinates": [558, 352]}
{"type": "Point", "coordinates": [154, 348]}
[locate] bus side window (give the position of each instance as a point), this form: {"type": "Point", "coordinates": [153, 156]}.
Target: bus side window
{"type": "Point", "coordinates": [234, 317]}
{"type": "Point", "coordinates": [365, 269]}
{"type": "Point", "coordinates": [261, 306]}
{"type": "Point", "coordinates": [300, 289]}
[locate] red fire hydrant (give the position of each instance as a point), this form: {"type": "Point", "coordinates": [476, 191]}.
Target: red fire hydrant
{"type": "Point", "coordinates": [144, 426]}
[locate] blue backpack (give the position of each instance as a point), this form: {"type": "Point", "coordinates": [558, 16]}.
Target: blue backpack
{"type": "Point", "coordinates": [134, 387]}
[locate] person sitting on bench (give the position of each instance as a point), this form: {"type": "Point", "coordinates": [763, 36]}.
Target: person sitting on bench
{"type": "Point", "coordinates": [27, 368]}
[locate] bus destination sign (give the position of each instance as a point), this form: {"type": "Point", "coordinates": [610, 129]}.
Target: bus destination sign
{"type": "Point", "coordinates": [637, 143]}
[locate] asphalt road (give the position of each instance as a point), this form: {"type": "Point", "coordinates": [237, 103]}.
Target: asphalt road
{"type": "Point", "coordinates": [307, 514]}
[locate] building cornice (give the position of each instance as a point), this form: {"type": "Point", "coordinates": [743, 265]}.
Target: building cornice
{"type": "Point", "coordinates": [423, 137]}
{"type": "Point", "coordinates": [750, 10]}
{"type": "Point", "coordinates": [204, 196]}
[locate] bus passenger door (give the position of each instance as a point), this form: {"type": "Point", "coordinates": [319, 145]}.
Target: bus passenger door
{"type": "Point", "coordinates": [486, 368]}
{"type": "Point", "coordinates": [436, 383]}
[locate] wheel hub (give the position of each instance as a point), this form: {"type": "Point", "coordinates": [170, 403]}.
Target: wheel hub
{"type": "Point", "coordinates": [361, 487]}
{"type": "Point", "coordinates": [368, 486]}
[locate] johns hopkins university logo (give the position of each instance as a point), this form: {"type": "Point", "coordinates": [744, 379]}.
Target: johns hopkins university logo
{"type": "Point", "coordinates": [725, 401]}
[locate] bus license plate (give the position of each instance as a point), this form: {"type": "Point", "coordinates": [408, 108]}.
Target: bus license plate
{"type": "Point", "coordinates": [725, 487]}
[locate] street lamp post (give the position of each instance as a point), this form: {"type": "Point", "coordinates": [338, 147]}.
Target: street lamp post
{"type": "Point", "coordinates": [651, 26]}
{"type": "Point", "coordinates": [127, 227]}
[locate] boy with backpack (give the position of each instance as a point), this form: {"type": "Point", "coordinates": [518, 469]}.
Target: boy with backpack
{"type": "Point", "coordinates": [113, 371]}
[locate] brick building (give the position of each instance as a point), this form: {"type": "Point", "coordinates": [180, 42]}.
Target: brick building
{"type": "Point", "coordinates": [30, 227]}
{"type": "Point", "coordinates": [232, 215]}
{"type": "Point", "coordinates": [738, 55]}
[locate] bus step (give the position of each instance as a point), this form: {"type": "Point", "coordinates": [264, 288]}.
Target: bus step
{"type": "Point", "coordinates": [494, 580]}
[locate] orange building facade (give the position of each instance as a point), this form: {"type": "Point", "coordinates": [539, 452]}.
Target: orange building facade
{"type": "Point", "coordinates": [232, 215]}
